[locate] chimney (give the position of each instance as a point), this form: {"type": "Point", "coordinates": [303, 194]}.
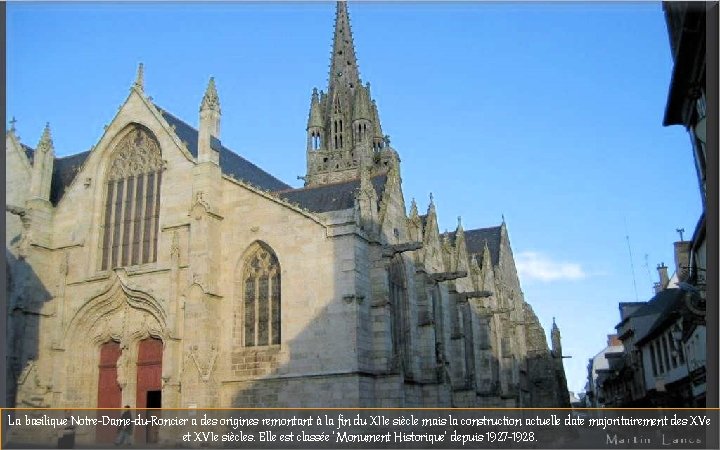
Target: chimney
{"type": "Point", "coordinates": [682, 259]}
{"type": "Point", "coordinates": [613, 341]}
{"type": "Point", "coordinates": [664, 280]}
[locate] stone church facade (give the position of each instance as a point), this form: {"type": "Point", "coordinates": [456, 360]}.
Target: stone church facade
{"type": "Point", "coordinates": [162, 269]}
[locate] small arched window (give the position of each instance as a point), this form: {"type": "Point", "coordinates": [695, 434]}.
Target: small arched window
{"type": "Point", "coordinates": [260, 297]}
{"type": "Point", "coordinates": [132, 201]}
{"type": "Point", "coordinates": [316, 140]}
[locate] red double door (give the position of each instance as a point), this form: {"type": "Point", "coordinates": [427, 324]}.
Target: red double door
{"type": "Point", "coordinates": [149, 386]}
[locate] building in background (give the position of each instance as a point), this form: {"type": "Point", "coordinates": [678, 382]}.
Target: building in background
{"type": "Point", "coordinates": [161, 269]}
{"type": "Point", "coordinates": [686, 106]}
{"type": "Point", "coordinates": [660, 359]}
{"type": "Point", "coordinates": [594, 396]}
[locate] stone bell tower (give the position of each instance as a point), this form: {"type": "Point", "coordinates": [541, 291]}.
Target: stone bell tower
{"type": "Point", "coordinates": [343, 124]}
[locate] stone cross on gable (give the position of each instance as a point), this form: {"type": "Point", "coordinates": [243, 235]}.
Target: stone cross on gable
{"type": "Point", "coordinates": [12, 123]}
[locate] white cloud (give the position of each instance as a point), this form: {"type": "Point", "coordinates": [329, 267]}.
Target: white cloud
{"type": "Point", "coordinates": [536, 266]}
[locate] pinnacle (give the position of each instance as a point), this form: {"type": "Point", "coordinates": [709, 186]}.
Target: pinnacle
{"type": "Point", "coordinates": [139, 79]}
{"type": "Point", "coordinates": [46, 142]}
{"type": "Point", "coordinates": [210, 99]}
{"type": "Point", "coordinates": [413, 208]}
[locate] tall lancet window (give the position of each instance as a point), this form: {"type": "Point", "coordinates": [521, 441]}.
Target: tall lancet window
{"type": "Point", "coordinates": [132, 201]}
{"type": "Point", "coordinates": [401, 314]}
{"type": "Point", "coordinates": [261, 297]}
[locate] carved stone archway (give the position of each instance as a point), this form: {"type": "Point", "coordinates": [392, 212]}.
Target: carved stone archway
{"type": "Point", "coordinates": [117, 313]}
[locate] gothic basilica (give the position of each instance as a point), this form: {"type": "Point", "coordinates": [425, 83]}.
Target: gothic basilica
{"type": "Point", "coordinates": [162, 269]}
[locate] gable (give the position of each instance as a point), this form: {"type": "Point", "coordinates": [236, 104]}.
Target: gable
{"type": "Point", "coordinates": [66, 168]}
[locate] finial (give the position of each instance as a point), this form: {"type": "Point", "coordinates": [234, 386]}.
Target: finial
{"type": "Point", "coordinates": [432, 199]}
{"type": "Point", "coordinates": [413, 207]}
{"type": "Point", "coordinates": [315, 92]}
{"type": "Point", "coordinates": [12, 124]}
{"type": "Point", "coordinates": [459, 221]}
{"type": "Point", "coordinates": [139, 80]}
{"type": "Point", "coordinates": [503, 217]}
{"type": "Point", "coordinates": [210, 99]}
{"type": "Point", "coordinates": [46, 142]}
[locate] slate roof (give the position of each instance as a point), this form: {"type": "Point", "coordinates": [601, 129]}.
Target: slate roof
{"type": "Point", "coordinates": [64, 171]}
{"type": "Point", "coordinates": [659, 303]}
{"type": "Point", "coordinates": [29, 151]}
{"type": "Point", "coordinates": [475, 242]}
{"type": "Point", "coordinates": [331, 197]}
{"type": "Point", "coordinates": [423, 220]}
{"type": "Point", "coordinates": [673, 302]}
{"type": "Point", "coordinates": [65, 168]}
{"type": "Point", "coordinates": [648, 317]}
{"type": "Point", "coordinates": [230, 162]}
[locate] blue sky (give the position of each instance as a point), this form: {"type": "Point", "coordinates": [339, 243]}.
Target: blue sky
{"type": "Point", "coordinates": [547, 113]}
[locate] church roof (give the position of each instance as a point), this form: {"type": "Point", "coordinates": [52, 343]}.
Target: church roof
{"type": "Point", "coordinates": [475, 242]}
{"type": "Point", "coordinates": [423, 220]}
{"type": "Point", "coordinates": [64, 171]}
{"type": "Point", "coordinates": [65, 168]}
{"type": "Point", "coordinates": [230, 162]}
{"type": "Point", "coordinates": [331, 197]}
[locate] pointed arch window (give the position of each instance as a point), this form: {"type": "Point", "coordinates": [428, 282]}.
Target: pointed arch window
{"type": "Point", "coordinates": [260, 292]}
{"type": "Point", "coordinates": [315, 140]}
{"type": "Point", "coordinates": [132, 201]}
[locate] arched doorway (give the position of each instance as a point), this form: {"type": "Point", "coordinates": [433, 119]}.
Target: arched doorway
{"type": "Point", "coordinates": [109, 392]}
{"type": "Point", "coordinates": [149, 384]}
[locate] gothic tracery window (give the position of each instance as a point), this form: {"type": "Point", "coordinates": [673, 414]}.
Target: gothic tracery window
{"type": "Point", "coordinates": [261, 298]}
{"type": "Point", "coordinates": [132, 201]}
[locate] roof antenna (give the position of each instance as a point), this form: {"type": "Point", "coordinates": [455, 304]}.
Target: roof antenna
{"type": "Point", "coordinates": [632, 266]}
{"type": "Point", "coordinates": [679, 230]}
{"type": "Point", "coordinates": [647, 267]}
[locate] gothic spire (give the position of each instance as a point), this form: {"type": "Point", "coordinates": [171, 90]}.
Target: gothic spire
{"type": "Point", "coordinates": [343, 64]}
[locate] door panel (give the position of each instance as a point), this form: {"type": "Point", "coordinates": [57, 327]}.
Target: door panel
{"type": "Point", "coordinates": [149, 379]}
{"type": "Point", "coordinates": [109, 393]}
